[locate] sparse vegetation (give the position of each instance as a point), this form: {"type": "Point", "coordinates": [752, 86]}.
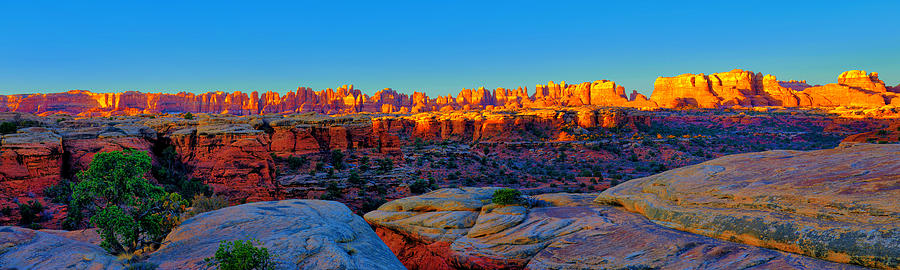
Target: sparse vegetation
{"type": "Point", "coordinates": [506, 196]}
{"type": "Point", "coordinates": [241, 255]}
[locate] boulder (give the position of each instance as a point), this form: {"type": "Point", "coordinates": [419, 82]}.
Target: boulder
{"type": "Point", "coordinates": [22, 248]}
{"type": "Point", "coordinates": [300, 234]}
{"type": "Point", "coordinates": [835, 204]}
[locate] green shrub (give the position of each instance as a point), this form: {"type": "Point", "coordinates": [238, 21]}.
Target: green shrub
{"type": "Point", "coordinates": [332, 192]}
{"type": "Point", "coordinates": [385, 165]}
{"type": "Point", "coordinates": [29, 212]}
{"type": "Point", "coordinates": [7, 127]}
{"type": "Point", "coordinates": [337, 159]}
{"type": "Point", "coordinates": [296, 162]}
{"type": "Point", "coordinates": [130, 212]}
{"type": "Point", "coordinates": [188, 116]}
{"type": "Point", "coordinates": [421, 186]}
{"type": "Point", "coordinates": [201, 204]}
{"type": "Point", "coordinates": [241, 255]}
{"type": "Point", "coordinates": [355, 179]}
{"type": "Point", "coordinates": [506, 196]}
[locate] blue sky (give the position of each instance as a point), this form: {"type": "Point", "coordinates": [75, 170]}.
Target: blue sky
{"type": "Point", "coordinates": [433, 46]}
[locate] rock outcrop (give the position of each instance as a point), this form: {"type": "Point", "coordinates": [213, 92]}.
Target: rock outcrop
{"type": "Point", "coordinates": [30, 160]}
{"type": "Point", "coordinates": [300, 234]}
{"type": "Point", "coordinates": [835, 204]}
{"type": "Point", "coordinates": [22, 248]}
{"type": "Point", "coordinates": [742, 88]}
{"type": "Point", "coordinates": [461, 229]}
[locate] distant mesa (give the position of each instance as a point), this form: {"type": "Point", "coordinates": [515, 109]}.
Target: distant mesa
{"type": "Point", "coordinates": [736, 88]}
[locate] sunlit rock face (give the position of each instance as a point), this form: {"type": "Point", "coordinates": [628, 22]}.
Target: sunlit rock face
{"type": "Point", "coordinates": [835, 204]}
{"type": "Point", "coordinates": [747, 89]}
{"type": "Point", "coordinates": [736, 88]}
{"type": "Point", "coordinates": [461, 229]}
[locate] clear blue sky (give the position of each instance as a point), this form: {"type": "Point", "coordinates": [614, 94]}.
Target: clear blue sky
{"type": "Point", "coordinates": [433, 46]}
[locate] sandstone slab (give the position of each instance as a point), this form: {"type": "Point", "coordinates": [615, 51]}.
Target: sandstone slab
{"type": "Point", "coordinates": [835, 204]}
{"type": "Point", "coordinates": [301, 234]}
{"type": "Point", "coordinates": [559, 231]}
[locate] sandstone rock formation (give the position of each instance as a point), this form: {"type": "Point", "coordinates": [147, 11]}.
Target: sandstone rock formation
{"type": "Point", "coordinates": [22, 248]}
{"type": "Point", "coordinates": [31, 160]}
{"type": "Point", "coordinates": [746, 89]}
{"type": "Point", "coordinates": [835, 204]}
{"type": "Point", "coordinates": [300, 234]}
{"type": "Point", "coordinates": [461, 229]}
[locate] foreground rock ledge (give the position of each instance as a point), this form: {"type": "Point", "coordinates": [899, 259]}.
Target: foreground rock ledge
{"type": "Point", "coordinates": [300, 234]}
{"type": "Point", "coordinates": [836, 204]}
{"type": "Point", "coordinates": [460, 229]}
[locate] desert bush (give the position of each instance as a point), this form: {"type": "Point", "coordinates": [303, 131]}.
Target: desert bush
{"type": "Point", "coordinates": [421, 186]}
{"type": "Point", "coordinates": [355, 179]}
{"type": "Point", "coordinates": [332, 192]}
{"type": "Point", "coordinates": [385, 165]}
{"type": "Point", "coordinates": [7, 127]}
{"type": "Point", "coordinates": [201, 204]}
{"type": "Point", "coordinates": [296, 162]}
{"type": "Point", "coordinates": [241, 255]}
{"type": "Point", "coordinates": [337, 159]}
{"type": "Point", "coordinates": [506, 196]}
{"type": "Point", "coordinates": [29, 212]}
{"type": "Point", "coordinates": [188, 116]}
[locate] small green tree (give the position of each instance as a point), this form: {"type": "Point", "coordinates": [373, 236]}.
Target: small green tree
{"type": "Point", "coordinates": [130, 212]}
{"type": "Point", "coordinates": [337, 159]}
{"type": "Point", "coordinates": [506, 196]}
{"type": "Point", "coordinates": [241, 255]}
{"type": "Point", "coordinates": [385, 165]}
{"type": "Point", "coordinates": [355, 179]}
{"type": "Point", "coordinates": [188, 116]}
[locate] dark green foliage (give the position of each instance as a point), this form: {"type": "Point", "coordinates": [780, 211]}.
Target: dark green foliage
{"type": "Point", "coordinates": [30, 212]}
{"type": "Point", "coordinates": [6, 211]}
{"type": "Point", "coordinates": [421, 186]}
{"type": "Point", "coordinates": [320, 166]}
{"type": "Point", "coordinates": [337, 159]}
{"type": "Point", "coordinates": [170, 174]}
{"type": "Point", "coordinates": [142, 266]}
{"type": "Point", "coordinates": [506, 196]}
{"type": "Point", "coordinates": [130, 212]}
{"type": "Point", "coordinates": [332, 192]}
{"type": "Point", "coordinates": [7, 127]}
{"type": "Point", "coordinates": [882, 132]}
{"type": "Point", "coordinates": [188, 115]}
{"type": "Point", "coordinates": [60, 193]}
{"type": "Point", "coordinates": [385, 165]}
{"type": "Point", "coordinates": [355, 179]}
{"type": "Point", "coordinates": [241, 255]}
{"type": "Point", "coordinates": [371, 204]}
{"type": "Point", "coordinates": [364, 163]}
{"type": "Point", "coordinates": [296, 162]}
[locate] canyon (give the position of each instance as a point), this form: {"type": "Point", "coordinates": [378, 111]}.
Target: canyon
{"type": "Point", "coordinates": [599, 165]}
